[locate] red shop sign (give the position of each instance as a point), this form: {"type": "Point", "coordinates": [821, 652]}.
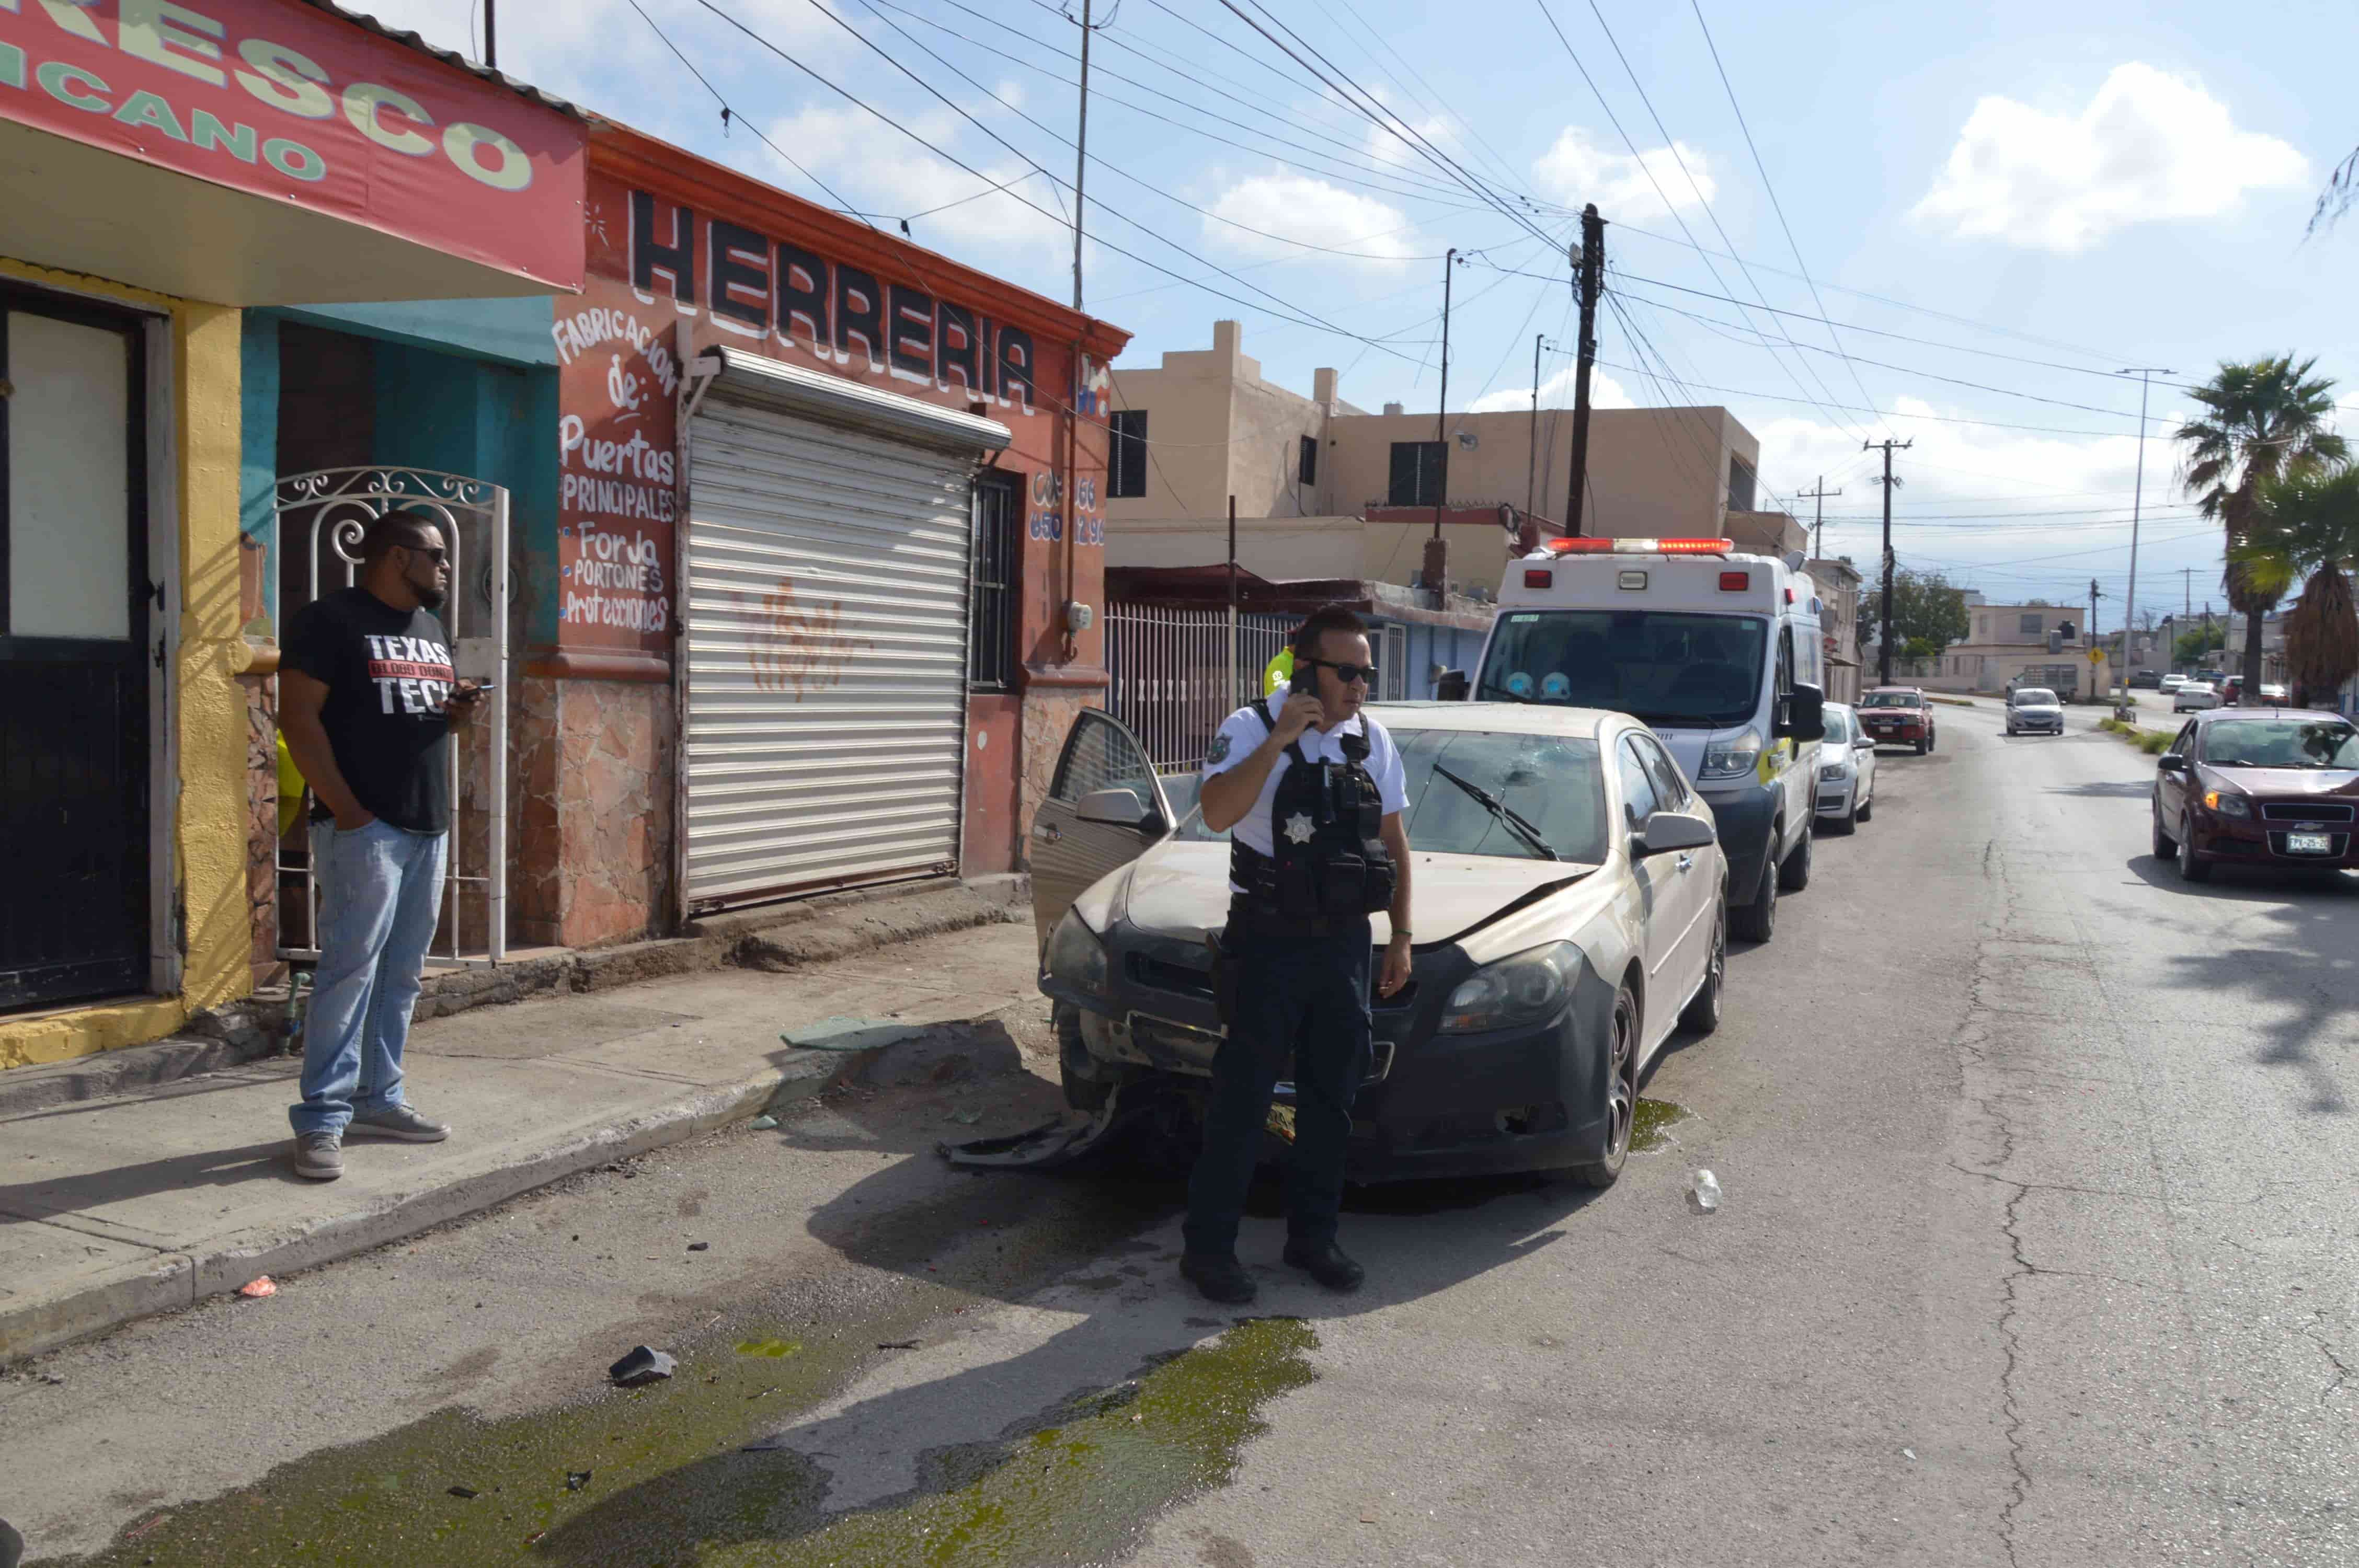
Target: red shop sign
{"type": "Point", "coordinates": [280, 99]}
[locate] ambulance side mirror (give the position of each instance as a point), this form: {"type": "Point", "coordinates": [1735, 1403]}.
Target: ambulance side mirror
{"type": "Point", "coordinates": [1802, 716]}
{"type": "Point", "coordinates": [1451, 685]}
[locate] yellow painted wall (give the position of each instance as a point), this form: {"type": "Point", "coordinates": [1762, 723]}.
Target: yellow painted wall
{"type": "Point", "coordinates": [209, 815]}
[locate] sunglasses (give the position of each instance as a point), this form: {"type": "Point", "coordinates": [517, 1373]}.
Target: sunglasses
{"type": "Point", "coordinates": [437, 554]}
{"type": "Point", "coordinates": [1349, 674]}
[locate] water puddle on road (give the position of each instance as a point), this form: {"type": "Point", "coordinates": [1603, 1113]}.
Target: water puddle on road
{"type": "Point", "coordinates": [1650, 1125]}
{"type": "Point", "coordinates": [659, 1477]}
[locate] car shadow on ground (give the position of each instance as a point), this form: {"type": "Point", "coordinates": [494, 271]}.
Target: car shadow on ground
{"type": "Point", "coordinates": [1079, 1265]}
{"type": "Point", "coordinates": [2118, 789]}
{"type": "Point", "coordinates": [2300, 981]}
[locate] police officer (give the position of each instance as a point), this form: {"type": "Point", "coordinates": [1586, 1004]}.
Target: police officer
{"type": "Point", "coordinates": [1311, 789]}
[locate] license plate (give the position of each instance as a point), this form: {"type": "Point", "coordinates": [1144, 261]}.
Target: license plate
{"type": "Point", "coordinates": [2309, 844]}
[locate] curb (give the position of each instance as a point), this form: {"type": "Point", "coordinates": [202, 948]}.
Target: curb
{"type": "Point", "coordinates": [175, 1281]}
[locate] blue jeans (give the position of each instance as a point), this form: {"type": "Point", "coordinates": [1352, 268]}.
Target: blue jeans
{"type": "Point", "coordinates": [380, 899]}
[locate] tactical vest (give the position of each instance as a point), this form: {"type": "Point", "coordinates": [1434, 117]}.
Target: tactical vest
{"type": "Point", "coordinates": [1327, 823]}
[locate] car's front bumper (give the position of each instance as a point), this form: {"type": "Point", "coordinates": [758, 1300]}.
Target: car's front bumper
{"type": "Point", "coordinates": [1901, 733]}
{"type": "Point", "coordinates": [2257, 842]}
{"type": "Point", "coordinates": [1835, 796]}
{"type": "Point", "coordinates": [2036, 724]}
{"type": "Point", "coordinates": [1528, 1099]}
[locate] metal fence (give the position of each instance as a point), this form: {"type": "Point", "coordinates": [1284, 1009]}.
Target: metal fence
{"type": "Point", "coordinates": [1171, 678]}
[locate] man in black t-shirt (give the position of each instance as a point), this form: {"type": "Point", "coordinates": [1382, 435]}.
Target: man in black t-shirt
{"type": "Point", "coordinates": [367, 701]}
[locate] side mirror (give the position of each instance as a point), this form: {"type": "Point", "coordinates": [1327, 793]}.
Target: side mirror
{"type": "Point", "coordinates": [1670, 830]}
{"type": "Point", "coordinates": [1113, 807]}
{"type": "Point", "coordinates": [1865, 744]}
{"type": "Point", "coordinates": [1802, 716]}
{"type": "Point", "coordinates": [1451, 685]}
{"type": "Point", "coordinates": [2170, 762]}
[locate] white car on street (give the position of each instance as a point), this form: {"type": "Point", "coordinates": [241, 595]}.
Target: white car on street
{"type": "Point", "coordinates": [1569, 912]}
{"type": "Point", "coordinates": [1846, 771]}
{"type": "Point", "coordinates": [2173, 682]}
{"type": "Point", "coordinates": [2193, 696]}
{"type": "Point", "coordinates": [2034, 710]}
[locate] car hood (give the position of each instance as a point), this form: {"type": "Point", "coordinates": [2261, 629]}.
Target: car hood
{"type": "Point", "coordinates": [2042, 708]}
{"type": "Point", "coordinates": [2341, 784]}
{"type": "Point", "coordinates": [1183, 889]}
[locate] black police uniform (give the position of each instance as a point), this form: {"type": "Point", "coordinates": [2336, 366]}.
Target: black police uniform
{"type": "Point", "coordinates": [1293, 974]}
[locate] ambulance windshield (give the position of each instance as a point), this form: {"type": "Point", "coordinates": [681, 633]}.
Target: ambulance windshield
{"type": "Point", "coordinates": [1668, 670]}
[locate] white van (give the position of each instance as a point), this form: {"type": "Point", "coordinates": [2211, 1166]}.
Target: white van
{"type": "Point", "coordinates": [1717, 653]}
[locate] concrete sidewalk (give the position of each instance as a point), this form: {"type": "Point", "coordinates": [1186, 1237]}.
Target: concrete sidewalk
{"type": "Point", "coordinates": [113, 1209]}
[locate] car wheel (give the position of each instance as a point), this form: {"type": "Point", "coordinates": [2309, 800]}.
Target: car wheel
{"type": "Point", "coordinates": [1758, 921]}
{"type": "Point", "coordinates": [1867, 807]}
{"type": "Point", "coordinates": [1794, 875]}
{"type": "Point", "coordinates": [1922, 746]}
{"type": "Point", "coordinates": [2192, 867]}
{"type": "Point", "coordinates": [1701, 1015]}
{"type": "Point", "coordinates": [1083, 1091]}
{"type": "Point", "coordinates": [2165, 847]}
{"type": "Point", "coordinates": [1621, 1092]}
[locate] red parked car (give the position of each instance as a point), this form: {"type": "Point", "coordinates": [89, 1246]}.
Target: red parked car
{"type": "Point", "coordinates": [1898, 716]}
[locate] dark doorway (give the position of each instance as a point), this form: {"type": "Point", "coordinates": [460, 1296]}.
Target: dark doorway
{"type": "Point", "coordinates": [77, 646]}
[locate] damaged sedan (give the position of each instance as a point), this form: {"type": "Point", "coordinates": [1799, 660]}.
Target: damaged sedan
{"type": "Point", "coordinates": [1568, 892]}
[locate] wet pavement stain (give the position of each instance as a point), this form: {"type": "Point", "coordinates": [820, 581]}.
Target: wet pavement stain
{"type": "Point", "coordinates": [661, 1475]}
{"type": "Point", "coordinates": [1650, 1124]}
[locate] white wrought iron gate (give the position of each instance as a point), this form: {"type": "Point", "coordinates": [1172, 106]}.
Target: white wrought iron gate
{"type": "Point", "coordinates": [328, 510]}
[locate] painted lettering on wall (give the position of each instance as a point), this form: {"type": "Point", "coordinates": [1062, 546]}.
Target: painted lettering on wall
{"type": "Point", "coordinates": [618, 476]}
{"type": "Point", "coordinates": [778, 293]}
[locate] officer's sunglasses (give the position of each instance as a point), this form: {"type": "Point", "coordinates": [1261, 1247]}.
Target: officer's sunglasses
{"type": "Point", "coordinates": [437, 554]}
{"type": "Point", "coordinates": [1349, 674]}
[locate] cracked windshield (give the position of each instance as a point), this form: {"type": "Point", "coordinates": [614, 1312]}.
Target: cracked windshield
{"type": "Point", "coordinates": [1178, 784]}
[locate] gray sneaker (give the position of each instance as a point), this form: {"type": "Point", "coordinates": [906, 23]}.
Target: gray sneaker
{"type": "Point", "coordinates": [402, 1121]}
{"type": "Point", "coordinates": [320, 1156]}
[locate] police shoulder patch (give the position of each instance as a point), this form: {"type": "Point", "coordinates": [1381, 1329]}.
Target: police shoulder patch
{"type": "Point", "coordinates": [1220, 752]}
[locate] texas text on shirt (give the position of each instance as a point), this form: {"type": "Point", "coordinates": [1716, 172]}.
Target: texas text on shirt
{"type": "Point", "coordinates": [1243, 732]}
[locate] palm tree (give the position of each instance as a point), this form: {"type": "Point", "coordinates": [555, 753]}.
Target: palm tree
{"type": "Point", "coordinates": [2261, 421]}
{"type": "Point", "coordinates": [2308, 526]}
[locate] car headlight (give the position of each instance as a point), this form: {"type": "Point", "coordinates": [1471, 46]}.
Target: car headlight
{"type": "Point", "coordinates": [2226, 804]}
{"type": "Point", "coordinates": [1076, 956]}
{"type": "Point", "coordinates": [1530, 988]}
{"type": "Point", "coordinates": [1732, 758]}
{"type": "Point", "coordinates": [1835, 771]}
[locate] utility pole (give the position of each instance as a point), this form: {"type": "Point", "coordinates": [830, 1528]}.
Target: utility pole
{"type": "Point", "coordinates": [2097, 691]}
{"type": "Point", "coordinates": [1532, 463]}
{"type": "Point", "coordinates": [491, 35]}
{"type": "Point", "coordinates": [2146, 374]}
{"type": "Point", "coordinates": [1080, 153]}
{"type": "Point", "coordinates": [1589, 278]}
{"type": "Point", "coordinates": [1435, 560]}
{"type": "Point", "coordinates": [1884, 636]}
{"type": "Point", "coordinates": [1819, 495]}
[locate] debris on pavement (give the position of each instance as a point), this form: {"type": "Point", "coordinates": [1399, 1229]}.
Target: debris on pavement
{"type": "Point", "coordinates": [1282, 1122]}
{"type": "Point", "coordinates": [1043, 1147]}
{"type": "Point", "coordinates": [577, 1479]}
{"type": "Point", "coordinates": [897, 1344]}
{"type": "Point", "coordinates": [700, 1246]}
{"type": "Point", "coordinates": [966, 1117]}
{"type": "Point", "coordinates": [464, 1494]}
{"type": "Point", "coordinates": [1703, 1191]}
{"type": "Point", "coordinates": [643, 1364]}
{"type": "Point", "coordinates": [1909, 1454]}
{"type": "Point", "coordinates": [851, 1035]}
{"type": "Point", "coordinates": [763, 1123]}
{"type": "Point", "coordinates": [255, 1289]}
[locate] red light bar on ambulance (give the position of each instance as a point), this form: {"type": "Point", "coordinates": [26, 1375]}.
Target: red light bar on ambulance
{"type": "Point", "coordinates": [1641, 547]}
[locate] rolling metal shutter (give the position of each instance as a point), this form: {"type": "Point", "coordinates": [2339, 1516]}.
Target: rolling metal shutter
{"type": "Point", "coordinates": [826, 569]}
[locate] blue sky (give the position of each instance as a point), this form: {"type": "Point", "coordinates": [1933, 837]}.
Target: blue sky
{"type": "Point", "coordinates": [2086, 186]}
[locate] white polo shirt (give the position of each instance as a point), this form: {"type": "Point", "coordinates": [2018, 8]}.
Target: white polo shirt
{"type": "Point", "coordinates": [1242, 732]}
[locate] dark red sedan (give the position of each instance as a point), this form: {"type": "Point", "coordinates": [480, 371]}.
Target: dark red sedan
{"type": "Point", "coordinates": [2258, 786]}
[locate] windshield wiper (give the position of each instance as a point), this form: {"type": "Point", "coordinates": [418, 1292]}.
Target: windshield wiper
{"type": "Point", "coordinates": [1506, 815]}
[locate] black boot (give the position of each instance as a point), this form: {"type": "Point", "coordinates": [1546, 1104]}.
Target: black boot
{"type": "Point", "coordinates": [1324, 1261]}
{"type": "Point", "coordinates": [1219, 1276]}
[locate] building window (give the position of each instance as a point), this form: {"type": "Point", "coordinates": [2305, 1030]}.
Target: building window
{"type": "Point", "coordinates": [992, 557]}
{"type": "Point", "coordinates": [1393, 663]}
{"type": "Point", "coordinates": [1740, 485]}
{"type": "Point", "coordinates": [1417, 474]}
{"type": "Point", "coordinates": [1127, 457]}
{"type": "Point", "coordinates": [1306, 472]}
{"type": "Point", "coordinates": [2027, 626]}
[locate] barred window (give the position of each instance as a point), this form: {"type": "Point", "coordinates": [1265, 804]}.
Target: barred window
{"type": "Point", "coordinates": [993, 552]}
{"type": "Point", "coordinates": [1126, 454]}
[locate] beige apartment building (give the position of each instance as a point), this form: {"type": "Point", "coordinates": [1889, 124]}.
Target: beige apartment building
{"type": "Point", "coordinates": [1320, 483]}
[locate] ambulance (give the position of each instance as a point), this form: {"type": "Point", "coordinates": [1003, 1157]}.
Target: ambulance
{"type": "Point", "coordinates": [1717, 653]}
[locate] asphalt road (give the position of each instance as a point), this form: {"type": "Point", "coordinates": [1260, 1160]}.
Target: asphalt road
{"type": "Point", "coordinates": [2041, 1246]}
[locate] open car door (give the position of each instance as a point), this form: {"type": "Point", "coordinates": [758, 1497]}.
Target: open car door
{"type": "Point", "coordinates": [1085, 828]}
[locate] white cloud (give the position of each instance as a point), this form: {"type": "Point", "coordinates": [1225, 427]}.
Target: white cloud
{"type": "Point", "coordinates": [1402, 141]}
{"type": "Point", "coordinates": [1296, 207]}
{"type": "Point", "coordinates": [1577, 170]}
{"type": "Point", "coordinates": [1556, 392]}
{"type": "Point", "coordinates": [880, 169]}
{"type": "Point", "coordinates": [2148, 147]}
